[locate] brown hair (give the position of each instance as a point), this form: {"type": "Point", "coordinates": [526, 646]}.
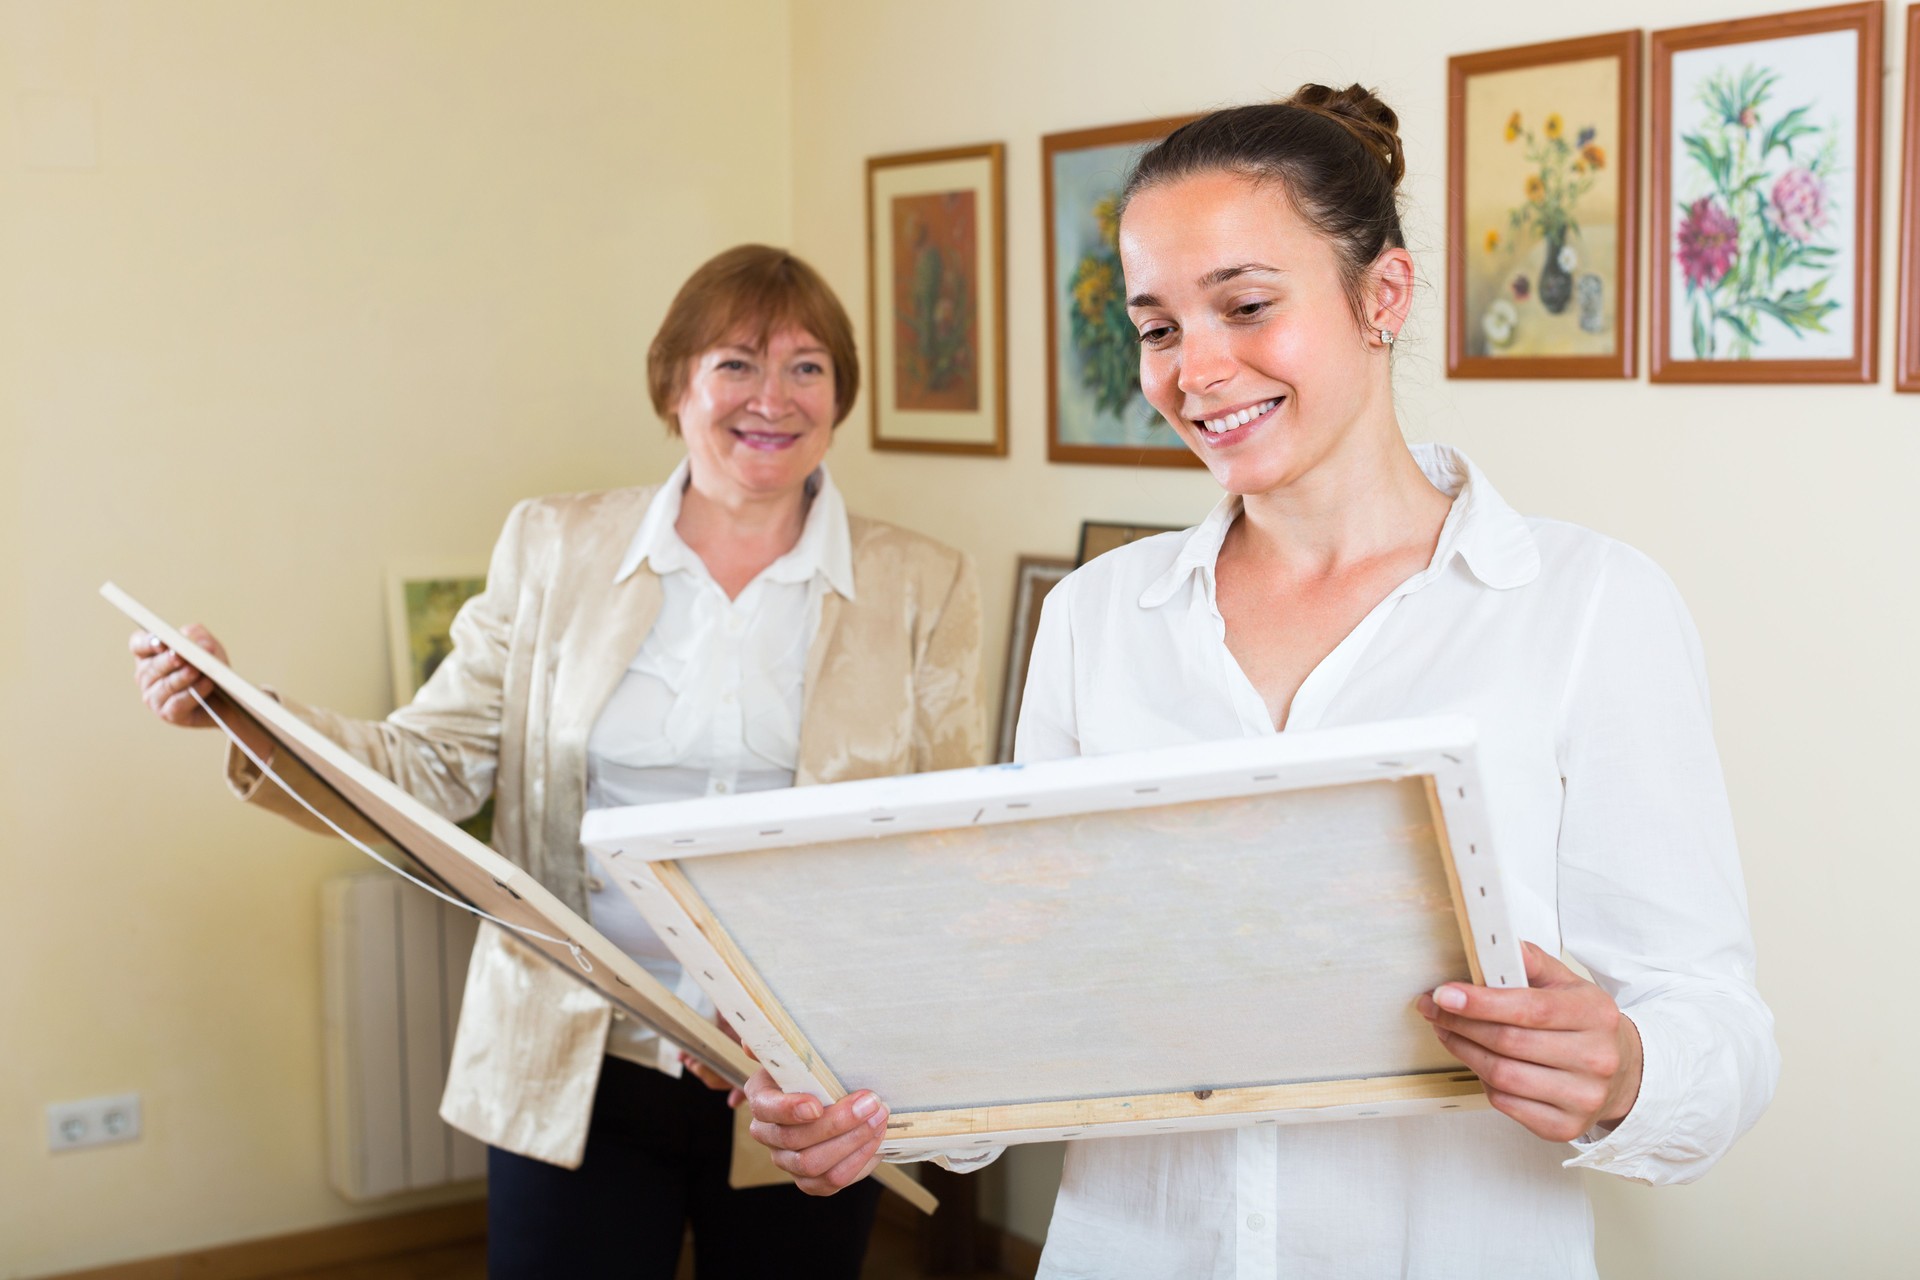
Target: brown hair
{"type": "Point", "coordinates": [754, 290]}
{"type": "Point", "coordinates": [1334, 152]}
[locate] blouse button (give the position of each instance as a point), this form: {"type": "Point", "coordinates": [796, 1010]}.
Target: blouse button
{"type": "Point", "coordinates": [595, 885]}
{"type": "Point", "coordinates": [1255, 1221]}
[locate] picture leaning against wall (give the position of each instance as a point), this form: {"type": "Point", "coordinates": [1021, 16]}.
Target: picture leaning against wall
{"type": "Point", "coordinates": [1765, 194]}
{"type": "Point", "coordinates": [1543, 209]}
{"type": "Point", "coordinates": [1095, 412]}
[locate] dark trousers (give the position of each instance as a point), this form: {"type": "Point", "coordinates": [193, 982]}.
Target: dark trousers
{"type": "Point", "coordinates": [657, 1157]}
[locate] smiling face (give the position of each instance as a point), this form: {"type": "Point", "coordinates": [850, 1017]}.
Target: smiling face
{"type": "Point", "coordinates": [757, 422]}
{"type": "Point", "coordinates": [1250, 347]}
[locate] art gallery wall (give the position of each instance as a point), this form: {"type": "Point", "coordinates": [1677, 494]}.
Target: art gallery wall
{"type": "Point", "coordinates": [289, 293]}
{"type": "Point", "coordinates": [1784, 513]}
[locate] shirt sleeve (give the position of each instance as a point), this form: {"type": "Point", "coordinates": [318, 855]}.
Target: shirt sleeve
{"type": "Point", "coordinates": [1651, 897]}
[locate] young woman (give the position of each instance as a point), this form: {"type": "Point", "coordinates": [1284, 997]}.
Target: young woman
{"type": "Point", "coordinates": [1345, 577]}
{"type": "Point", "coordinates": [654, 644]}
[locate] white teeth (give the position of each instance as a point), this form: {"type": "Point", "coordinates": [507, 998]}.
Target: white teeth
{"type": "Point", "coordinates": [1229, 421]}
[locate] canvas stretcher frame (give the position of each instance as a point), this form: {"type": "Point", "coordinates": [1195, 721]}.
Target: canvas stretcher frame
{"type": "Point", "coordinates": [807, 836]}
{"type": "Point", "coordinates": [469, 870]}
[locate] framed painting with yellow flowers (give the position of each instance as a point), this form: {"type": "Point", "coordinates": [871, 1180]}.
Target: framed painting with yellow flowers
{"type": "Point", "coordinates": [1095, 412]}
{"type": "Point", "coordinates": [1543, 209]}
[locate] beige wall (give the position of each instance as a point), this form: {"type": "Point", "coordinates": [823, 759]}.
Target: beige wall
{"type": "Point", "coordinates": [292, 292]}
{"type": "Point", "coordinates": [1785, 514]}
{"type": "Point", "coordinates": [330, 285]}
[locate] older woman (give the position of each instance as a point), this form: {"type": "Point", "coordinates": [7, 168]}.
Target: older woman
{"type": "Point", "coordinates": [734, 629]}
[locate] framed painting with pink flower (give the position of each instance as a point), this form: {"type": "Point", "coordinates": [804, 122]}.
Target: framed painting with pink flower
{"type": "Point", "coordinates": [936, 300]}
{"type": "Point", "coordinates": [1542, 209]}
{"type": "Point", "coordinates": [1765, 195]}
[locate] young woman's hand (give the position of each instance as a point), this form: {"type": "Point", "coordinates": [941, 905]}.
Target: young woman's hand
{"type": "Point", "coordinates": [826, 1149]}
{"type": "Point", "coordinates": [1558, 1056]}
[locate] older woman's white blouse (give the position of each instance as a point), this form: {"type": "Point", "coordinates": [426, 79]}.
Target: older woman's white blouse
{"type": "Point", "coordinates": [710, 705]}
{"type": "Point", "coordinates": [1579, 663]}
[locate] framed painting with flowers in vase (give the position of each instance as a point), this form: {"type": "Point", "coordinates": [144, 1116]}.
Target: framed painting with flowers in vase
{"type": "Point", "coordinates": [1543, 209]}
{"type": "Point", "coordinates": [1765, 195]}
{"type": "Point", "coordinates": [1095, 412]}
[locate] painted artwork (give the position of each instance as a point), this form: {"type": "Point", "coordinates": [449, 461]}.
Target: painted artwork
{"type": "Point", "coordinates": [1763, 194]}
{"type": "Point", "coordinates": [1761, 252]}
{"type": "Point", "coordinates": [420, 610]}
{"type": "Point", "coordinates": [936, 299]}
{"type": "Point", "coordinates": [936, 259]}
{"type": "Point", "coordinates": [430, 604]}
{"type": "Point", "coordinates": [1542, 209]}
{"type": "Point", "coordinates": [1097, 413]}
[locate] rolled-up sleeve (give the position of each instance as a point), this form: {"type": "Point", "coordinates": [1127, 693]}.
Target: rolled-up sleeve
{"type": "Point", "coordinates": [1651, 897]}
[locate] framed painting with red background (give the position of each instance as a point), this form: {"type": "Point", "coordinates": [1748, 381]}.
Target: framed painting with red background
{"type": "Point", "coordinates": [1543, 204]}
{"type": "Point", "coordinates": [1766, 192]}
{"type": "Point", "coordinates": [936, 300]}
{"type": "Point", "coordinates": [1907, 342]}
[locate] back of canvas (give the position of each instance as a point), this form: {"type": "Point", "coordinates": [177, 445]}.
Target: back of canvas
{"type": "Point", "coordinates": [1256, 940]}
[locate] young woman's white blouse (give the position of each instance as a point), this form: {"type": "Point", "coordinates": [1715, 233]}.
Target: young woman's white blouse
{"type": "Point", "coordinates": [1579, 663]}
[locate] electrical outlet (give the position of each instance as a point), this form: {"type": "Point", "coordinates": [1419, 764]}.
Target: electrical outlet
{"type": "Point", "coordinates": [93, 1122]}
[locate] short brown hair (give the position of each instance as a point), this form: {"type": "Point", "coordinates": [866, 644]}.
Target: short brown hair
{"type": "Point", "coordinates": [1334, 152]}
{"type": "Point", "coordinates": [755, 289]}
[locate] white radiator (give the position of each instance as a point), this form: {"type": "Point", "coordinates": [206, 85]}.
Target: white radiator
{"type": "Point", "coordinates": [395, 962]}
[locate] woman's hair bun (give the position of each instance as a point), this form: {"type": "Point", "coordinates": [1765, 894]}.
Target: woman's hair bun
{"type": "Point", "coordinates": [1364, 115]}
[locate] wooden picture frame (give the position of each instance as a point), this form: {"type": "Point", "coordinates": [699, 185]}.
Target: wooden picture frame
{"type": "Point", "coordinates": [468, 870]}
{"type": "Point", "coordinates": [1091, 938]}
{"type": "Point", "coordinates": [1907, 330]}
{"type": "Point", "coordinates": [1766, 195]}
{"type": "Point", "coordinates": [1543, 210]}
{"type": "Point", "coordinates": [937, 300]}
{"type": "Point", "coordinates": [1094, 409]}
{"type": "Point", "coordinates": [1033, 577]}
{"type": "Point", "coordinates": [1097, 537]}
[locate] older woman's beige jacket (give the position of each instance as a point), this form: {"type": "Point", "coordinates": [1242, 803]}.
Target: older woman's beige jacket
{"type": "Point", "coordinates": [892, 687]}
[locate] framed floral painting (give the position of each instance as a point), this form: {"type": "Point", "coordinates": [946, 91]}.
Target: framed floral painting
{"type": "Point", "coordinates": [1765, 194]}
{"type": "Point", "coordinates": [1095, 412]}
{"type": "Point", "coordinates": [1543, 209]}
{"type": "Point", "coordinates": [936, 300]}
{"type": "Point", "coordinates": [1907, 344]}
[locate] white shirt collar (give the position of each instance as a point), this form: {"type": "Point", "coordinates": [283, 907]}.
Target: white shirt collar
{"type": "Point", "coordinates": [1481, 529]}
{"type": "Point", "coordinates": [825, 546]}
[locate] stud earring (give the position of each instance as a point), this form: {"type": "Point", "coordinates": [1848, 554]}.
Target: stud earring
{"type": "Point", "coordinates": [1386, 337]}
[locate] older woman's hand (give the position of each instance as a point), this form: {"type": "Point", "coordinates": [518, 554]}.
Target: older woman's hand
{"type": "Point", "coordinates": [1558, 1056]}
{"type": "Point", "coordinates": [167, 682]}
{"type": "Point", "coordinates": [826, 1149]}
